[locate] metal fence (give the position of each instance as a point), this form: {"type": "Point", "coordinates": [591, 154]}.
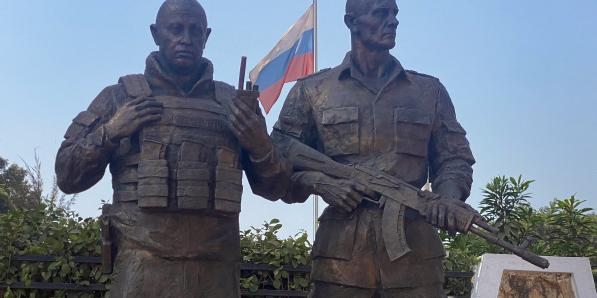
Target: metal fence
{"type": "Point", "coordinates": [48, 286]}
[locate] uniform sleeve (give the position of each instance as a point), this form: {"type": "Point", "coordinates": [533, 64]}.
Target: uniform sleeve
{"type": "Point", "coordinates": [85, 152]}
{"type": "Point", "coordinates": [295, 122]}
{"type": "Point", "coordinates": [451, 158]}
{"type": "Point", "coordinates": [269, 175]}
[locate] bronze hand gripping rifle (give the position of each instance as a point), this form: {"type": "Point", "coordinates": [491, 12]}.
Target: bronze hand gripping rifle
{"type": "Point", "coordinates": [396, 196]}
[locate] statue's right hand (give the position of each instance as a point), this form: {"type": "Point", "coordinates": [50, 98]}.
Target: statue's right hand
{"type": "Point", "coordinates": [341, 193]}
{"type": "Point", "coordinates": [132, 116]}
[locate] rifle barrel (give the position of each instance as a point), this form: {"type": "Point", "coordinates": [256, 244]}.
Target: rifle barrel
{"type": "Point", "coordinates": [523, 253]}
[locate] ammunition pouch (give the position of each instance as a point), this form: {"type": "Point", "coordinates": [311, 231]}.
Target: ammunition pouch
{"type": "Point", "coordinates": [229, 186]}
{"type": "Point", "coordinates": [152, 173]}
{"type": "Point", "coordinates": [192, 176]}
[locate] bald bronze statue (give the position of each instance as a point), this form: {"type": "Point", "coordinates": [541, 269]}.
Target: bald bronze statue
{"type": "Point", "coordinates": [176, 142]}
{"type": "Point", "coordinates": [371, 114]}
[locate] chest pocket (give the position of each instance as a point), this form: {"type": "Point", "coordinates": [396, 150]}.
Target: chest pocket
{"type": "Point", "coordinates": [412, 128]}
{"type": "Point", "coordinates": [340, 131]}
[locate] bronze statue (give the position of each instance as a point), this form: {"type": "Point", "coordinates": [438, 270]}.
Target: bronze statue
{"type": "Point", "coordinates": [372, 113]}
{"type": "Point", "coordinates": [176, 142]}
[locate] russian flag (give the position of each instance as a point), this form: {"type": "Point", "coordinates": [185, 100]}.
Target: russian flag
{"type": "Point", "coordinates": [291, 59]}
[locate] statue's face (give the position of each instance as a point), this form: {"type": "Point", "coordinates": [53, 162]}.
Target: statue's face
{"type": "Point", "coordinates": [376, 28]}
{"type": "Point", "coordinates": [181, 37]}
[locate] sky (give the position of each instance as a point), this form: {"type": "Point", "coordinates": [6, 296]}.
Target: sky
{"type": "Point", "coordinates": [522, 76]}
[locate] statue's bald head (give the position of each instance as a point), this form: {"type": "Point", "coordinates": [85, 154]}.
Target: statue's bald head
{"type": "Point", "coordinates": [188, 7]}
{"type": "Point", "coordinates": [357, 7]}
{"type": "Point", "coordinates": [181, 33]}
{"type": "Point", "coordinates": [372, 23]}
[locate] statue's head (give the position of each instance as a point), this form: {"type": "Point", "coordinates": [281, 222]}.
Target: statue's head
{"type": "Point", "coordinates": [180, 31]}
{"type": "Point", "coordinates": [372, 23]}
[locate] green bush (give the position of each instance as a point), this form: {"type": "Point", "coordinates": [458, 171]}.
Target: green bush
{"type": "Point", "coordinates": [263, 246]}
{"type": "Point", "coordinates": [48, 230]}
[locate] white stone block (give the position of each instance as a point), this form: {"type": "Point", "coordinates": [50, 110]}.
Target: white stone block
{"type": "Point", "coordinates": [488, 276]}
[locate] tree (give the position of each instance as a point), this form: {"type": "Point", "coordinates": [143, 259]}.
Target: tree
{"type": "Point", "coordinates": [3, 200]}
{"type": "Point", "coordinates": [18, 188]}
{"type": "Point", "coordinates": [571, 230]}
{"type": "Point", "coordinates": [504, 205]}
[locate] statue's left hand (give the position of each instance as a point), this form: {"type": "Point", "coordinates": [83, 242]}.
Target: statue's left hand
{"type": "Point", "coordinates": [249, 126]}
{"type": "Point", "coordinates": [442, 214]}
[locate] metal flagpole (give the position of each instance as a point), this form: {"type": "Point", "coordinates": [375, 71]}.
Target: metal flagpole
{"type": "Point", "coordinates": [315, 198]}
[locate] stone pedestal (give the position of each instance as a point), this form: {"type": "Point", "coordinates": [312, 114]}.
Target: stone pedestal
{"type": "Point", "coordinates": [508, 276]}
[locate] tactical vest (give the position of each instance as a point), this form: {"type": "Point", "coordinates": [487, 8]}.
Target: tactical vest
{"type": "Point", "coordinates": [189, 160]}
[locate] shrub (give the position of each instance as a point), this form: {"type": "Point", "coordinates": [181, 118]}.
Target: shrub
{"type": "Point", "coordinates": [48, 230]}
{"type": "Point", "coordinates": [263, 246]}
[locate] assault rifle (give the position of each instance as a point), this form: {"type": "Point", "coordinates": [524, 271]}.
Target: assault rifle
{"type": "Point", "coordinates": [396, 196]}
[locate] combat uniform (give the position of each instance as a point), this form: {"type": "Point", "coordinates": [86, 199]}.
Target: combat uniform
{"type": "Point", "coordinates": [177, 185]}
{"type": "Point", "coordinates": [407, 128]}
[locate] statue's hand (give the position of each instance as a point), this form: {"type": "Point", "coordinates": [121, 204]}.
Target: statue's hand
{"type": "Point", "coordinates": [248, 125]}
{"type": "Point", "coordinates": [132, 116]}
{"type": "Point", "coordinates": [341, 193]}
{"type": "Point", "coordinates": [442, 214]}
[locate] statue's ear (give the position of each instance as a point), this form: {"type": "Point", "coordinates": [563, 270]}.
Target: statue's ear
{"type": "Point", "coordinates": [154, 33]}
{"type": "Point", "coordinates": [351, 22]}
{"type": "Point", "coordinates": [207, 33]}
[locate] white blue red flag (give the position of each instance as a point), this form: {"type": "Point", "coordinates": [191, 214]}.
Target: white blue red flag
{"type": "Point", "coordinates": [291, 59]}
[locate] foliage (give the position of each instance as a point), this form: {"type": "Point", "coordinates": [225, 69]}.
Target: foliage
{"type": "Point", "coordinates": [262, 246]}
{"type": "Point", "coordinates": [3, 199]}
{"type": "Point", "coordinates": [463, 253]}
{"type": "Point", "coordinates": [571, 230]}
{"type": "Point", "coordinates": [48, 230]}
{"type": "Point", "coordinates": [42, 224]}
{"type": "Point", "coordinates": [17, 190]}
{"type": "Point", "coordinates": [504, 201]}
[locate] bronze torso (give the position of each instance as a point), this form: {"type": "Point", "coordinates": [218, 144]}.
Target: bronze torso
{"type": "Point", "coordinates": [406, 128]}
{"type": "Point", "coordinates": [187, 161]}
{"type": "Point", "coordinates": [177, 185]}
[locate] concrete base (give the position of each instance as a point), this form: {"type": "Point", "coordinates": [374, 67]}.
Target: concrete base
{"type": "Point", "coordinates": [490, 275]}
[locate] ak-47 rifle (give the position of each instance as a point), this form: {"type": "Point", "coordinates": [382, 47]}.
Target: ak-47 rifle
{"type": "Point", "coordinates": [396, 196]}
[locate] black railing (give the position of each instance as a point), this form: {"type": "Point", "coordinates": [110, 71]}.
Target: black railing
{"type": "Point", "coordinates": [49, 286]}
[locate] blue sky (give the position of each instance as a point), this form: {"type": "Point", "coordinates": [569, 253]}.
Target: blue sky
{"type": "Point", "coordinates": [522, 75]}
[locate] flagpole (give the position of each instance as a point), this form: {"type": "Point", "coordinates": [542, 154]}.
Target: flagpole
{"type": "Point", "coordinates": [315, 49]}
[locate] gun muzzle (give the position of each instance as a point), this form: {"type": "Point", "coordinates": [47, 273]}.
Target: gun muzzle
{"type": "Point", "coordinates": [519, 251]}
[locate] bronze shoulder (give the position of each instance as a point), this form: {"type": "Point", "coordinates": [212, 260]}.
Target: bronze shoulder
{"type": "Point", "coordinates": [425, 81]}
{"type": "Point", "coordinates": [317, 75]}
{"type": "Point", "coordinates": [109, 100]}
{"type": "Point", "coordinates": [420, 75]}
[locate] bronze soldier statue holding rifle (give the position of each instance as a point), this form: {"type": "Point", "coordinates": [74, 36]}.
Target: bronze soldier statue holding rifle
{"type": "Point", "coordinates": [176, 142]}
{"type": "Point", "coordinates": [365, 136]}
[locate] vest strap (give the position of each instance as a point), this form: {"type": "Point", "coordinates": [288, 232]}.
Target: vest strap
{"type": "Point", "coordinates": [135, 85]}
